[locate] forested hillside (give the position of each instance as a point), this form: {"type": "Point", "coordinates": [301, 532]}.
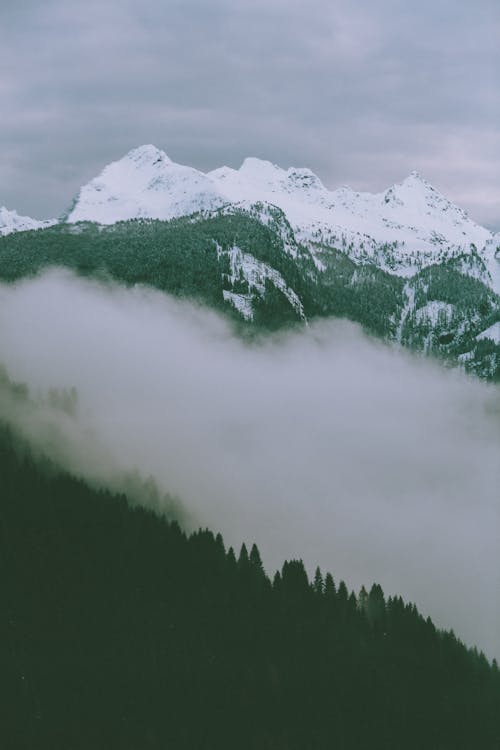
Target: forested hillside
{"type": "Point", "coordinates": [118, 630]}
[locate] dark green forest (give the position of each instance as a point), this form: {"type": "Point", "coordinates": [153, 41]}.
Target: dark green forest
{"type": "Point", "coordinates": [119, 630]}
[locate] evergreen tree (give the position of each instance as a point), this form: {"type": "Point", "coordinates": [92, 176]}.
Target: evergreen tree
{"type": "Point", "coordinates": [318, 584]}
{"type": "Point", "coordinates": [255, 560]}
{"type": "Point", "coordinates": [243, 559]}
{"type": "Point", "coordinates": [363, 599]}
{"type": "Point", "coordinates": [330, 590]}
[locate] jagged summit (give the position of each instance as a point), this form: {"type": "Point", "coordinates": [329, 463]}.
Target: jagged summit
{"type": "Point", "coordinates": [255, 167]}
{"type": "Point", "coordinates": [305, 178]}
{"type": "Point", "coordinates": [417, 203]}
{"type": "Point", "coordinates": [268, 175]}
{"type": "Point", "coordinates": [415, 182]}
{"type": "Point", "coordinates": [259, 179]}
{"type": "Point", "coordinates": [147, 154]}
{"type": "Point", "coordinates": [415, 176]}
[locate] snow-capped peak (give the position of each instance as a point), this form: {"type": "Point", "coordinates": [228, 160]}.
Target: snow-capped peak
{"type": "Point", "coordinates": [304, 178]}
{"type": "Point", "coordinates": [261, 180]}
{"type": "Point", "coordinates": [10, 221]}
{"type": "Point", "coordinates": [260, 169]}
{"type": "Point", "coordinates": [144, 183]}
{"type": "Point", "coordinates": [134, 172]}
{"type": "Point", "coordinates": [265, 174]}
{"type": "Point", "coordinates": [415, 176]}
{"type": "Point", "coordinates": [417, 203]}
{"type": "Point", "coordinates": [147, 154]}
{"type": "Point", "coordinates": [413, 183]}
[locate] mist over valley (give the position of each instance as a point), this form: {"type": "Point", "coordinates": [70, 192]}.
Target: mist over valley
{"type": "Point", "coordinates": [321, 444]}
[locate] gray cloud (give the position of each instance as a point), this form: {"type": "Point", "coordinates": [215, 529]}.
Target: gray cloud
{"type": "Point", "coordinates": [323, 444]}
{"type": "Point", "coordinates": [362, 93]}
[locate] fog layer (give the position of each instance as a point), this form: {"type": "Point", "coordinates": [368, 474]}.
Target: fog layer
{"type": "Point", "coordinates": [321, 444]}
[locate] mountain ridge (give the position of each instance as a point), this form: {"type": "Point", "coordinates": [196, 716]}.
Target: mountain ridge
{"type": "Point", "coordinates": [413, 221]}
{"type": "Point", "coordinates": [402, 229]}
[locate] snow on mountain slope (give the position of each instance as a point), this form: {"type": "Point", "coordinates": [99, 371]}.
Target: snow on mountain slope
{"type": "Point", "coordinates": [144, 184]}
{"type": "Point", "coordinates": [493, 333]}
{"type": "Point", "coordinates": [255, 272]}
{"type": "Point", "coordinates": [268, 215]}
{"type": "Point", "coordinates": [400, 230]}
{"type": "Point", "coordinates": [10, 221]}
{"type": "Point", "coordinates": [491, 255]}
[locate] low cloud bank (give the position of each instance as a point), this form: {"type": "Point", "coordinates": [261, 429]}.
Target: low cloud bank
{"type": "Point", "coordinates": [321, 444]}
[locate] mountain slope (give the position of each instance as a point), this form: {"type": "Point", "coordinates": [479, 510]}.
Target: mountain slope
{"type": "Point", "coordinates": [118, 630]}
{"type": "Point", "coordinates": [10, 221]}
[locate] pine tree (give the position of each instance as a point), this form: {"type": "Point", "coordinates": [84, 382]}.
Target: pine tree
{"type": "Point", "coordinates": [318, 584]}
{"type": "Point", "coordinates": [256, 561]}
{"type": "Point", "coordinates": [363, 599]}
{"type": "Point", "coordinates": [376, 605]}
{"type": "Point", "coordinates": [330, 590]}
{"type": "Point", "coordinates": [243, 559]}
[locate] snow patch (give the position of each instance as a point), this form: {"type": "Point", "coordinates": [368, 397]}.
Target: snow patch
{"type": "Point", "coordinates": [241, 302]}
{"type": "Point", "coordinates": [255, 272]}
{"type": "Point", "coordinates": [493, 333]}
{"type": "Point", "coordinates": [435, 312]}
{"type": "Point", "coordinates": [10, 222]}
{"type": "Point", "coordinates": [409, 306]}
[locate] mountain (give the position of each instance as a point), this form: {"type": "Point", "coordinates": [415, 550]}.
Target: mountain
{"type": "Point", "coordinates": [407, 227]}
{"type": "Point", "coordinates": [272, 247]}
{"type": "Point", "coordinates": [10, 221]}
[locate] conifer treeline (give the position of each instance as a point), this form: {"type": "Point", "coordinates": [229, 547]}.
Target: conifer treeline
{"type": "Point", "coordinates": [118, 630]}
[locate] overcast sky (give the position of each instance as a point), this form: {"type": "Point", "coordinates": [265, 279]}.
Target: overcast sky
{"type": "Point", "coordinates": [362, 92]}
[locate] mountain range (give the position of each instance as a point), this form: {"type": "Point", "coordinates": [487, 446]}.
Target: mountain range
{"type": "Point", "coordinates": [273, 246]}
